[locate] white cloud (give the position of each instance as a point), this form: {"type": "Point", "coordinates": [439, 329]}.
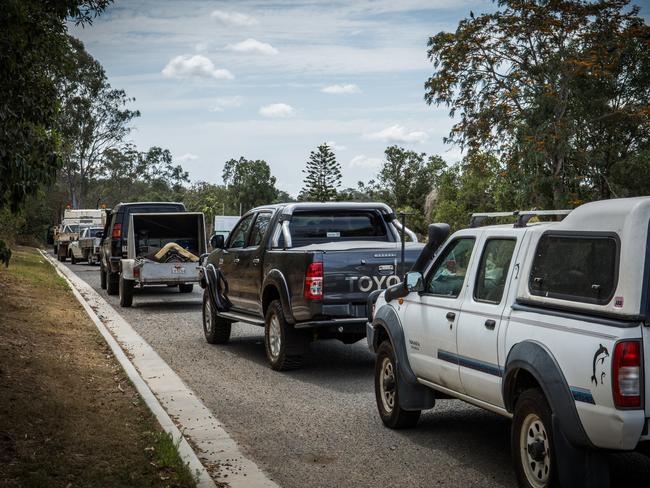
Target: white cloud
{"type": "Point", "coordinates": [188, 157]}
{"type": "Point", "coordinates": [236, 19]}
{"type": "Point", "coordinates": [341, 89]}
{"type": "Point", "coordinates": [335, 146]}
{"type": "Point", "coordinates": [400, 134]}
{"type": "Point", "coordinates": [362, 161]}
{"type": "Point", "coordinates": [223, 103]}
{"type": "Point", "coordinates": [197, 66]}
{"type": "Point", "coordinates": [277, 110]}
{"type": "Point", "coordinates": [253, 46]}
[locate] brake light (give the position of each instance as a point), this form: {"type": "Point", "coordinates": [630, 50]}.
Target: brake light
{"type": "Point", "coordinates": [314, 282]}
{"type": "Point", "coordinates": [626, 373]}
{"type": "Point", "coordinates": [117, 231]}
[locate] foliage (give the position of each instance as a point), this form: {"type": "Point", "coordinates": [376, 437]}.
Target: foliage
{"type": "Point", "coordinates": [558, 88]}
{"type": "Point", "coordinates": [93, 120]}
{"type": "Point", "coordinates": [322, 176]}
{"type": "Point", "coordinates": [32, 52]}
{"type": "Point", "coordinates": [249, 182]}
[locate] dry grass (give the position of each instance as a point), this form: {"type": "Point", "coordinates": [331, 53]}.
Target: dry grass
{"type": "Point", "coordinates": [68, 415]}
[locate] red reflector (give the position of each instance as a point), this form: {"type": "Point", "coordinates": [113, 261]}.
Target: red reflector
{"type": "Point", "coordinates": [117, 231]}
{"type": "Point", "coordinates": [314, 282]}
{"type": "Point", "coordinates": [626, 374]}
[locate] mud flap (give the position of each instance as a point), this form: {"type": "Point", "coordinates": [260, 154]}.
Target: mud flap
{"type": "Point", "coordinates": [579, 467]}
{"type": "Point", "coordinates": [217, 288]}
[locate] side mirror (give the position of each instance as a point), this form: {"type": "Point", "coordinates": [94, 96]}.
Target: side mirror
{"type": "Point", "coordinates": [217, 241]}
{"type": "Point", "coordinates": [414, 281]}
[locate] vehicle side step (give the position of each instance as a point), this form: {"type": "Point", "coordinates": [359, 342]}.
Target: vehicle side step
{"type": "Point", "coordinates": [242, 317]}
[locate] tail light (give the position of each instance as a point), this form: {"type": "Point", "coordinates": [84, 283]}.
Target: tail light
{"type": "Point", "coordinates": [314, 282]}
{"type": "Point", "coordinates": [626, 372]}
{"type": "Point", "coordinates": [117, 231]}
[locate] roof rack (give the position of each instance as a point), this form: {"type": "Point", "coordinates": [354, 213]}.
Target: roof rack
{"type": "Point", "coordinates": [523, 216]}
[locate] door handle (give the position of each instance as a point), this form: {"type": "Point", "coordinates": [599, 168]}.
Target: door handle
{"type": "Point", "coordinates": [256, 261]}
{"type": "Point", "coordinates": [450, 316]}
{"type": "Point", "coordinates": [490, 324]}
{"type": "Point", "coordinates": [235, 261]}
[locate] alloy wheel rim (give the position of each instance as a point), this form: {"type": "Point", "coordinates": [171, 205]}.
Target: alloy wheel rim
{"type": "Point", "coordinates": [275, 338]}
{"type": "Point", "coordinates": [535, 451]}
{"type": "Point", "coordinates": [387, 385]}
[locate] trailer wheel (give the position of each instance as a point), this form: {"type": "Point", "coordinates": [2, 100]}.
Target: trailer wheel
{"type": "Point", "coordinates": [216, 329]}
{"type": "Point", "coordinates": [126, 292]}
{"type": "Point", "coordinates": [186, 287]}
{"type": "Point", "coordinates": [102, 277]}
{"type": "Point", "coordinates": [112, 282]}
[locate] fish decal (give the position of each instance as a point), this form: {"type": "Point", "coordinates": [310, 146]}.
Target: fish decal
{"type": "Point", "coordinates": [601, 354]}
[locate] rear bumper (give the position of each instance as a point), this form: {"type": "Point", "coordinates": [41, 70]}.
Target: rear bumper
{"type": "Point", "coordinates": [341, 326]}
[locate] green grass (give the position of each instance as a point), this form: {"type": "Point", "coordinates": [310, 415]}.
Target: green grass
{"type": "Point", "coordinates": [167, 458]}
{"type": "Point", "coordinates": [30, 266]}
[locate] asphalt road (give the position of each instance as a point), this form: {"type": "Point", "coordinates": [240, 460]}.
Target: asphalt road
{"type": "Point", "coordinates": [317, 426]}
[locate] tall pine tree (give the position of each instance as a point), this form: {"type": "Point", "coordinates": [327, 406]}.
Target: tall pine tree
{"type": "Point", "coordinates": [322, 176]}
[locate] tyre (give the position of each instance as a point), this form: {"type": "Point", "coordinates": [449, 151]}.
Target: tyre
{"type": "Point", "coordinates": [126, 292]}
{"type": "Point", "coordinates": [62, 258]}
{"type": "Point", "coordinates": [112, 282]}
{"type": "Point", "coordinates": [284, 345]}
{"type": "Point", "coordinates": [73, 260]}
{"type": "Point", "coordinates": [102, 277]}
{"type": "Point", "coordinates": [216, 329]}
{"type": "Point", "coordinates": [386, 393]}
{"type": "Point", "coordinates": [531, 439]}
{"type": "Point", "coordinates": [186, 287]}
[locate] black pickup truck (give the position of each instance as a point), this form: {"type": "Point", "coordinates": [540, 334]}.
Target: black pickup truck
{"type": "Point", "coordinates": [303, 271]}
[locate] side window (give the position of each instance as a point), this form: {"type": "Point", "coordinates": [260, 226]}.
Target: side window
{"type": "Point", "coordinates": [238, 236]}
{"type": "Point", "coordinates": [579, 268]}
{"type": "Point", "coordinates": [493, 270]}
{"type": "Point", "coordinates": [447, 276]}
{"type": "Point", "coordinates": [259, 228]}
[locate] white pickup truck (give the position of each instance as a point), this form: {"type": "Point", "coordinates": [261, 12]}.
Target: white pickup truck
{"type": "Point", "coordinates": [544, 323]}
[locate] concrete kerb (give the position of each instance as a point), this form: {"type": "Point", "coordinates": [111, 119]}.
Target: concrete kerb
{"type": "Point", "coordinates": [168, 397]}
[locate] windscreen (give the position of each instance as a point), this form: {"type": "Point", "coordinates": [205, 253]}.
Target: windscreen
{"type": "Point", "coordinates": [328, 226]}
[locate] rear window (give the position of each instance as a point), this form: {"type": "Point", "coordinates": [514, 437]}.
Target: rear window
{"type": "Point", "coordinates": [579, 268]}
{"type": "Point", "coordinates": [333, 226]}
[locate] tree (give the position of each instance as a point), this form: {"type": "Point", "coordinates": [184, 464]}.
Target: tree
{"type": "Point", "coordinates": [32, 52]}
{"type": "Point", "coordinates": [542, 82]}
{"type": "Point", "coordinates": [322, 176]}
{"type": "Point", "coordinates": [93, 119]}
{"type": "Point", "coordinates": [249, 183]}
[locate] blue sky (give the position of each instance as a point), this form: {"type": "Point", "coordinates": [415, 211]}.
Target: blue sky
{"type": "Point", "coordinates": [273, 79]}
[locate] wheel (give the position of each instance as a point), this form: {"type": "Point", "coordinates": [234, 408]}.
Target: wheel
{"type": "Point", "coordinates": [62, 258]}
{"type": "Point", "coordinates": [102, 277]}
{"type": "Point", "coordinates": [386, 393]}
{"type": "Point", "coordinates": [73, 260]}
{"type": "Point", "coordinates": [126, 292]}
{"type": "Point", "coordinates": [186, 287]}
{"type": "Point", "coordinates": [112, 282]}
{"type": "Point", "coordinates": [284, 345]}
{"type": "Point", "coordinates": [531, 439]}
{"type": "Point", "coordinates": [216, 329]}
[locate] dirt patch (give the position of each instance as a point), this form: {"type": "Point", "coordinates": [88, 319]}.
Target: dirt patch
{"type": "Point", "coordinates": [69, 416]}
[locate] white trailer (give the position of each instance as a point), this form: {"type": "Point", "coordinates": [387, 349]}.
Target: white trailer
{"type": "Point", "coordinates": [162, 249]}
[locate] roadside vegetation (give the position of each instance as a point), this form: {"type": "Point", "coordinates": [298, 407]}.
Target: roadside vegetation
{"type": "Point", "coordinates": [68, 414]}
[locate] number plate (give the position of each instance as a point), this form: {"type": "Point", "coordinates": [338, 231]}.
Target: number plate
{"type": "Point", "coordinates": [178, 270]}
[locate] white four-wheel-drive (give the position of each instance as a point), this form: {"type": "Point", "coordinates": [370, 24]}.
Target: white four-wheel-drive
{"type": "Point", "coordinates": [545, 323]}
